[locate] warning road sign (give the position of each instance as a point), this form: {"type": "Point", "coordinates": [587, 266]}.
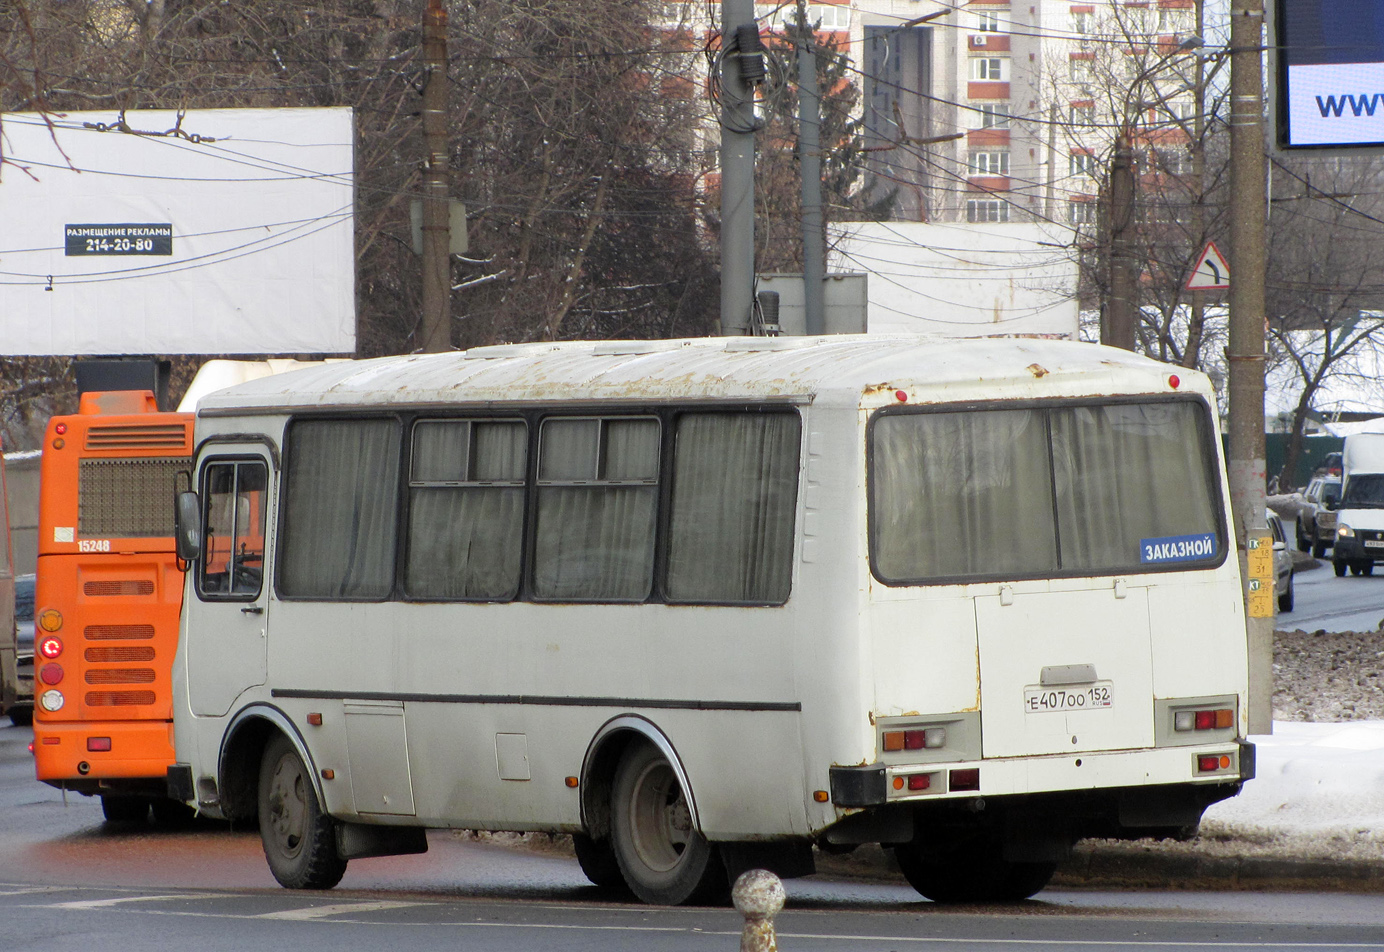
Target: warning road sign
{"type": "Point", "coordinates": [1212, 273]}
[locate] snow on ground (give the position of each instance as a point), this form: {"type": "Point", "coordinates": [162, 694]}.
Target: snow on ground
{"type": "Point", "coordinates": [1319, 792]}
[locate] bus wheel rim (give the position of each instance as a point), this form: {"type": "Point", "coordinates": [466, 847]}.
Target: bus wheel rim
{"type": "Point", "coordinates": [288, 805]}
{"type": "Point", "coordinates": [660, 821]}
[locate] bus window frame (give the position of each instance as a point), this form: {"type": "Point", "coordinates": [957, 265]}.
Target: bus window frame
{"type": "Point", "coordinates": [203, 466]}
{"type": "Point", "coordinates": [1209, 460]}
{"type": "Point", "coordinates": [533, 415]}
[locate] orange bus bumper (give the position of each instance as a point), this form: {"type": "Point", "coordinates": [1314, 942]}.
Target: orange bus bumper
{"type": "Point", "coordinates": [141, 749]}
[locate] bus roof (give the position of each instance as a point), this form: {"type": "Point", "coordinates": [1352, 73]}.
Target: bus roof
{"type": "Point", "coordinates": [715, 368]}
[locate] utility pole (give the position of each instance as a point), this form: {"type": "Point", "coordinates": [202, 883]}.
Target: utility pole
{"type": "Point", "coordinates": [810, 167]}
{"type": "Point", "coordinates": [1196, 326]}
{"type": "Point", "coordinates": [435, 327]}
{"type": "Point", "coordinates": [1117, 329]}
{"type": "Point", "coordinates": [1246, 350]}
{"type": "Point", "coordinates": [737, 173]}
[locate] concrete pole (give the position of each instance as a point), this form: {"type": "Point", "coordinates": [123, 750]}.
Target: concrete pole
{"type": "Point", "coordinates": [1246, 351]}
{"type": "Point", "coordinates": [1117, 329]}
{"type": "Point", "coordinates": [435, 328]}
{"type": "Point", "coordinates": [737, 179]}
{"type": "Point", "coordinates": [810, 168]}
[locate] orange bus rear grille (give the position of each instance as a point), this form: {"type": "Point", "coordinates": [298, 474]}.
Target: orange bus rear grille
{"type": "Point", "coordinates": [128, 498]}
{"type": "Point", "coordinates": [118, 632]}
{"type": "Point", "coordinates": [131, 436]}
{"type": "Point", "coordinates": [121, 676]}
{"type": "Point", "coordinates": [121, 587]}
{"type": "Point", "coordinates": [118, 698]}
{"type": "Point", "coordinates": [119, 653]}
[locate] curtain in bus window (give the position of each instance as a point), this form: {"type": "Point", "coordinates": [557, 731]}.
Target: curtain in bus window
{"type": "Point", "coordinates": [1126, 473]}
{"type": "Point", "coordinates": [597, 499]}
{"type": "Point", "coordinates": [465, 537]}
{"type": "Point", "coordinates": [957, 494]}
{"type": "Point", "coordinates": [735, 480]}
{"type": "Point", "coordinates": [340, 509]}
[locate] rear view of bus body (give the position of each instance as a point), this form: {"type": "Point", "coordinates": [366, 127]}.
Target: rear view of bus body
{"type": "Point", "coordinates": [707, 604]}
{"type": "Point", "coordinates": [107, 599]}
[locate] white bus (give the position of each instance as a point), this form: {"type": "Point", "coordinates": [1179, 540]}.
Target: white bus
{"type": "Point", "coordinates": [708, 604]}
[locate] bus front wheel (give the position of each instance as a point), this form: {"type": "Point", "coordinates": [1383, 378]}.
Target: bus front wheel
{"type": "Point", "coordinates": [662, 857]}
{"type": "Point", "coordinates": [971, 872]}
{"type": "Point", "coordinates": [299, 839]}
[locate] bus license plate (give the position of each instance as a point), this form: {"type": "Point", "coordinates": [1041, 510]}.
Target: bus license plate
{"type": "Point", "coordinates": [1071, 697]}
{"type": "Point", "coordinates": [1375, 543]}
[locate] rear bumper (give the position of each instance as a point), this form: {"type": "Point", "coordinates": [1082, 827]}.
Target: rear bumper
{"type": "Point", "coordinates": [877, 784]}
{"type": "Point", "coordinates": [138, 750]}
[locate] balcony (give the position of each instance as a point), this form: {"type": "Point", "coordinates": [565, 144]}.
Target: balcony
{"type": "Point", "coordinates": [979, 138]}
{"type": "Point", "coordinates": [987, 90]}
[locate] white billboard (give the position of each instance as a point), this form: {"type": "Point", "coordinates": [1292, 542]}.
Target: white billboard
{"type": "Point", "coordinates": [963, 280]}
{"type": "Point", "coordinates": [219, 231]}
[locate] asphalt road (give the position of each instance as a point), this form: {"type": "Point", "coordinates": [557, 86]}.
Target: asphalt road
{"type": "Point", "coordinates": [70, 882]}
{"type": "Point", "coordinates": [1323, 601]}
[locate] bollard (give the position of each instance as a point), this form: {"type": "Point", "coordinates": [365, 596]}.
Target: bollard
{"type": "Point", "coordinates": [758, 896]}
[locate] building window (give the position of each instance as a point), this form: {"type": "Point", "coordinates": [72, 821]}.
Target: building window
{"type": "Point", "coordinates": [994, 116]}
{"type": "Point", "coordinates": [1172, 20]}
{"type": "Point", "coordinates": [1175, 161]}
{"type": "Point", "coordinates": [1083, 114]}
{"type": "Point", "coordinates": [987, 21]}
{"type": "Point", "coordinates": [989, 163]}
{"type": "Point", "coordinates": [1083, 163]}
{"type": "Point", "coordinates": [1083, 23]}
{"type": "Point", "coordinates": [987, 210]}
{"type": "Point", "coordinates": [1079, 71]}
{"type": "Point", "coordinates": [1081, 213]}
{"type": "Point", "coordinates": [990, 68]}
{"type": "Point", "coordinates": [826, 16]}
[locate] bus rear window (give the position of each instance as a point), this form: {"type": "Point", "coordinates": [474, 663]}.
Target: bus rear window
{"type": "Point", "coordinates": [1056, 490]}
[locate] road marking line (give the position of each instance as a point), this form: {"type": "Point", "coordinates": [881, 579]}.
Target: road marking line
{"type": "Point", "coordinates": [103, 904]}
{"type": "Point", "coordinates": [31, 890]}
{"type": "Point", "coordinates": [318, 912]}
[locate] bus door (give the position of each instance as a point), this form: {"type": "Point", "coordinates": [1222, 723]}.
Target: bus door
{"type": "Point", "coordinates": [227, 644]}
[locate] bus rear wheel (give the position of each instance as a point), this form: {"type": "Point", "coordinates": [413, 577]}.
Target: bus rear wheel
{"type": "Point", "coordinates": [970, 872]}
{"type": "Point", "coordinates": [597, 861]}
{"type": "Point", "coordinates": [299, 839]}
{"type": "Point", "coordinates": [663, 859]}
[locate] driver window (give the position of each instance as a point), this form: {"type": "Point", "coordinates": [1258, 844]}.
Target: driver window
{"type": "Point", "coordinates": [233, 519]}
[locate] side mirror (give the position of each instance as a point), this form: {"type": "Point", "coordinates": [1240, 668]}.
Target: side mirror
{"type": "Point", "coordinates": [187, 527]}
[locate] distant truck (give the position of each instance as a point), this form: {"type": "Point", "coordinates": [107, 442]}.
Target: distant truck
{"type": "Point", "coordinates": [1359, 540]}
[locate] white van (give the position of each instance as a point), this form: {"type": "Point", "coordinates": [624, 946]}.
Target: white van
{"type": "Point", "coordinates": [1360, 511]}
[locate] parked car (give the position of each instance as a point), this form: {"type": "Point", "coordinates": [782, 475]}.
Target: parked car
{"type": "Point", "coordinates": [23, 712]}
{"type": "Point", "coordinates": [1316, 522]}
{"type": "Point", "coordinates": [1282, 563]}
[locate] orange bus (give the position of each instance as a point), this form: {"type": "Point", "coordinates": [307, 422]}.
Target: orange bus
{"type": "Point", "coordinates": [107, 599]}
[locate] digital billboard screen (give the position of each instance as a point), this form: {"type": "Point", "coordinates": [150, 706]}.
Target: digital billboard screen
{"type": "Point", "coordinates": [1330, 72]}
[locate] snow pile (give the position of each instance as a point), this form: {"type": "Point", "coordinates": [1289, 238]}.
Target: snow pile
{"type": "Point", "coordinates": [1319, 792]}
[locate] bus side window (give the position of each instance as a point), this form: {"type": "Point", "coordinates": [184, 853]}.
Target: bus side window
{"type": "Point", "coordinates": [597, 507]}
{"type": "Point", "coordinates": [232, 562]}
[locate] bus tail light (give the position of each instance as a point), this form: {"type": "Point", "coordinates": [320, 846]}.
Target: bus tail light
{"type": "Point", "coordinates": [50, 648]}
{"type": "Point", "coordinates": [1218, 718]}
{"type": "Point", "coordinates": [52, 701]}
{"type": "Point", "coordinates": [50, 619]}
{"type": "Point", "coordinates": [967, 778]}
{"type": "Point", "coordinates": [1206, 763]}
{"type": "Point", "coordinates": [50, 673]}
{"type": "Point", "coordinates": [930, 738]}
{"type": "Point", "coordinates": [919, 781]}
{"type": "Point", "coordinates": [98, 743]}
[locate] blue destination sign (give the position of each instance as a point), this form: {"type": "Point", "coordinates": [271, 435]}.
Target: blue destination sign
{"type": "Point", "coordinates": [123, 239]}
{"type": "Point", "coordinates": [1187, 548]}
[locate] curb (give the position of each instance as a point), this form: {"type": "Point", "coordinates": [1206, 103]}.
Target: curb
{"type": "Point", "coordinates": [1132, 867]}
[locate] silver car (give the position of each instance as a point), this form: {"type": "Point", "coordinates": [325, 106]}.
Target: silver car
{"type": "Point", "coordinates": [1282, 563]}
